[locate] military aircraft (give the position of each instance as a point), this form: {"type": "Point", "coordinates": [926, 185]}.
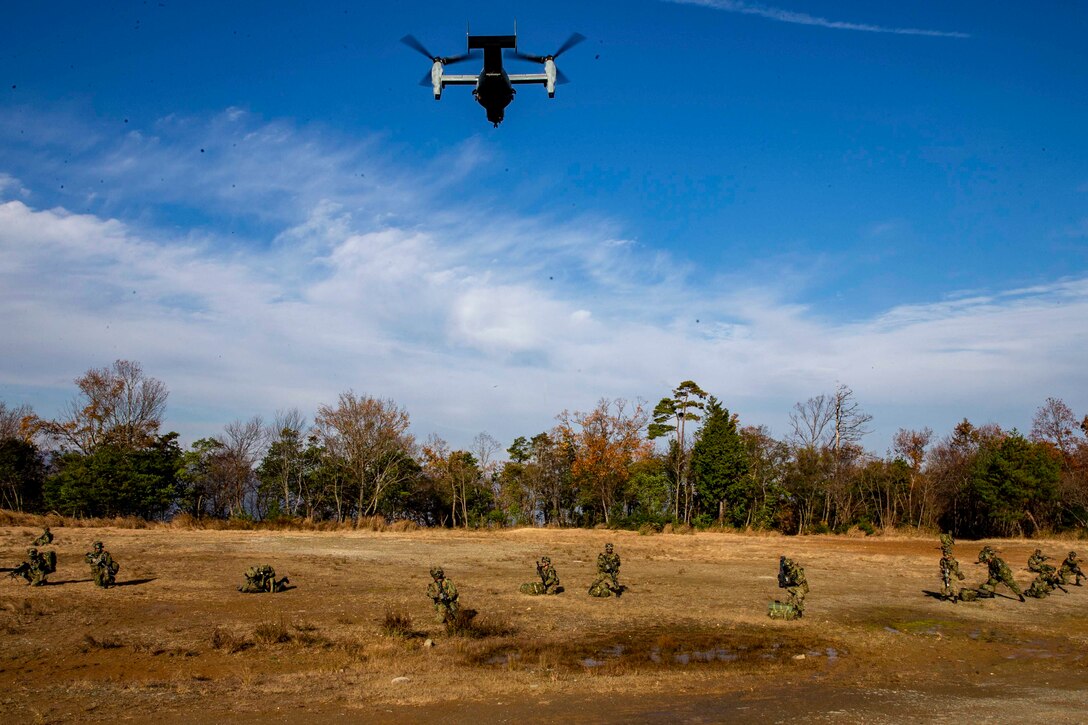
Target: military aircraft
{"type": "Point", "coordinates": [494, 86]}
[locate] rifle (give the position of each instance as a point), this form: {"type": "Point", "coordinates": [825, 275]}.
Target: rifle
{"type": "Point", "coordinates": [20, 570]}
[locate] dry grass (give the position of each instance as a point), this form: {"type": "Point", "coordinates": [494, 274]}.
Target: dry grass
{"type": "Point", "coordinates": [693, 621]}
{"type": "Point", "coordinates": [227, 641]}
{"type": "Point", "coordinates": [271, 633]}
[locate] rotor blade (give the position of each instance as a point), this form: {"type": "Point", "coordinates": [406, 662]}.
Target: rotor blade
{"type": "Point", "coordinates": [426, 79]}
{"type": "Point", "coordinates": [525, 56]}
{"type": "Point", "coordinates": [411, 42]}
{"type": "Point", "coordinates": [561, 78]}
{"type": "Point", "coordinates": [572, 41]}
{"type": "Point", "coordinates": [458, 58]}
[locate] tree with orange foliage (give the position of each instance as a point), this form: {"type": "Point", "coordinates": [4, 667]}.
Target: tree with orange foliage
{"type": "Point", "coordinates": [604, 443]}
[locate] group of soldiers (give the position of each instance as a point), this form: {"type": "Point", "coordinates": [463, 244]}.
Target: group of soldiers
{"type": "Point", "coordinates": [1047, 577]}
{"type": "Point", "coordinates": [40, 564]}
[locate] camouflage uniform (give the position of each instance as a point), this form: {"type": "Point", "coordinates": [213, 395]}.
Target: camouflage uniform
{"type": "Point", "coordinates": [37, 567]}
{"type": "Point", "coordinates": [1046, 576]}
{"type": "Point", "coordinates": [949, 568]}
{"type": "Point", "coordinates": [103, 567]}
{"type": "Point", "coordinates": [44, 539]}
{"type": "Point", "coordinates": [549, 579]}
{"type": "Point", "coordinates": [999, 574]}
{"type": "Point", "coordinates": [444, 594]}
{"type": "Point", "coordinates": [261, 579]}
{"type": "Point", "coordinates": [608, 570]}
{"type": "Point", "coordinates": [1071, 567]}
{"type": "Point", "coordinates": [791, 577]}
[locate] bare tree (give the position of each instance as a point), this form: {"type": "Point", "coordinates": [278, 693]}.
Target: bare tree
{"type": "Point", "coordinates": [371, 436]}
{"type": "Point", "coordinates": [911, 446]}
{"type": "Point", "coordinates": [285, 437]}
{"type": "Point", "coordinates": [810, 421]}
{"type": "Point", "coordinates": [1055, 423]}
{"type": "Point", "coordinates": [18, 423]}
{"type": "Point", "coordinates": [242, 445]}
{"type": "Point", "coordinates": [117, 405]}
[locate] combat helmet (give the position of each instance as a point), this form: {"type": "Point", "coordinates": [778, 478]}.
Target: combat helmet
{"type": "Point", "coordinates": [986, 554]}
{"type": "Point", "coordinates": [97, 545]}
{"type": "Point", "coordinates": [545, 560]}
{"type": "Point", "coordinates": [608, 548]}
{"type": "Point", "coordinates": [1072, 555]}
{"type": "Point", "coordinates": [437, 573]}
{"type": "Point", "coordinates": [32, 551]}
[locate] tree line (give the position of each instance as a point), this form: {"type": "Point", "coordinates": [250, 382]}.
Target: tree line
{"type": "Point", "coordinates": [686, 461]}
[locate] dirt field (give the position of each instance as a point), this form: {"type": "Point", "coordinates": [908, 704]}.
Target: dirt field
{"type": "Point", "coordinates": [690, 640]}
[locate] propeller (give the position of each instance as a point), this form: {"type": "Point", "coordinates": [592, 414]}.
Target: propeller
{"type": "Point", "coordinates": [572, 41]}
{"type": "Point", "coordinates": [414, 44]}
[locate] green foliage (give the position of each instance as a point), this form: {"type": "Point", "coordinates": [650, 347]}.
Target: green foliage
{"type": "Point", "coordinates": [112, 481]}
{"type": "Point", "coordinates": [22, 473]}
{"type": "Point", "coordinates": [1013, 485]}
{"type": "Point", "coordinates": [719, 466]}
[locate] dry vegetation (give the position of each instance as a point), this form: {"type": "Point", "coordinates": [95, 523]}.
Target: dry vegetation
{"type": "Point", "coordinates": [355, 636]}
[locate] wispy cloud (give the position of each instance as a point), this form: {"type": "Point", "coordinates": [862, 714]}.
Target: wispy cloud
{"type": "Point", "coordinates": [367, 277]}
{"type": "Point", "coordinates": [790, 16]}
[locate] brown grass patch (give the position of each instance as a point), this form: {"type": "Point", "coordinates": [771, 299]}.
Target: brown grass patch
{"type": "Point", "coordinates": [271, 633]}
{"type": "Point", "coordinates": [224, 639]}
{"type": "Point", "coordinates": [397, 624]}
{"type": "Point", "coordinates": [105, 642]}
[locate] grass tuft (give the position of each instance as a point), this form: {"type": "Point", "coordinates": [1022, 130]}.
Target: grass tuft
{"type": "Point", "coordinates": [271, 633]}
{"type": "Point", "coordinates": [227, 641]}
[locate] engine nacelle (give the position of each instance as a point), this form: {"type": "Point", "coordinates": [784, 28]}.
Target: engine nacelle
{"type": "Point", "coordinates": [436, 79]}
{"type": "Point", "coordinates": [551, 73]}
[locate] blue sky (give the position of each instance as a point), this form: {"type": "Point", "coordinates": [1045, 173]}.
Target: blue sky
{"type": "Point", "coordinates": [259, 203]}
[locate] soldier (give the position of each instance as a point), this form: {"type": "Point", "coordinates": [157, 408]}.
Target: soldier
{"type": "Point", "coordinates": [444, 595]}
{"type": "Point", "coordinates": [949, 567]}
{"type": "Point", "coordinates": [1046, 576]}
{"type": "Point", "coordinates": [549, 579]}
{"type": "Point", "coordinates": [44, 539]}
{"type": "Point", "coordinates": [1071, 567]}
{"type": "Point", "coordinates": [262, 579]}
{"type": "Point", "coordinates": [103, 567]}
{"type": "Point", "coordinates": [36, 568]}
{"type": "Point", "coordinates": [791, 577]}
{"type": "Point", "coordinates": [999, 574]}
{"type": "Point", "coordinates": [607, 582]}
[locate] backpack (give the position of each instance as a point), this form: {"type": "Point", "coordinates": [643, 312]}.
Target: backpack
{"type": "Point", "coordinates": [50, 558]}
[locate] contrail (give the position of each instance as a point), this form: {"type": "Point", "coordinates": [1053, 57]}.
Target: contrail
{"type": "Point", "coordinates": [788, 16]}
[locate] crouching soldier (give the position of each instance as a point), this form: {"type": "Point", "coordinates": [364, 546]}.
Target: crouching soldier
{"type": "Point", "coordinates": [37, 567]}
{"type": "Point", "coordinates": [444, 595]}
{"type": "Point", "coordinates": [103, 567]}
{"type": "Point", "coordinates": [999, 574]}
{"type": "Point", "coordinates": [791, 577]}
{"type": "Point", "coordinates": [607, 582]}
{"type": "Point", "coordinates": [262, 579]}
{"type": "Point", "coordinates": [1071, 568]}
{"type": "Point", "coordinates": [549, 579]}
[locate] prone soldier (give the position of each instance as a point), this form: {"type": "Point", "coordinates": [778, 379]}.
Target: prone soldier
{"type": "Point", "coordinates": [262, 578]}
{"type": "Point", "coordinates": [45, 538]}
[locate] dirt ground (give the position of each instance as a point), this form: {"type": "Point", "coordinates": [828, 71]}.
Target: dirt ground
{"type": "Point", "coordinates": [689, 641]}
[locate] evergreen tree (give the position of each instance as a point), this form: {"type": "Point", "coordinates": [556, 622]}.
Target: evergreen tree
{"type": "Point", "coordinates": [719, 466]}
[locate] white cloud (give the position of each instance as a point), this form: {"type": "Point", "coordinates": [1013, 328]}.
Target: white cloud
{"type": "Point", "coordinates": [363, 287]}
{"type": "Point", "coordinates": [790, 16]}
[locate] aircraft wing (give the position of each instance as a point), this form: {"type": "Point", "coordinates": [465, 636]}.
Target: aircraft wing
{"type": "Point", "coordinates": [459, 80]}
{"type": "Point", "coordinates": [528, 78]}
